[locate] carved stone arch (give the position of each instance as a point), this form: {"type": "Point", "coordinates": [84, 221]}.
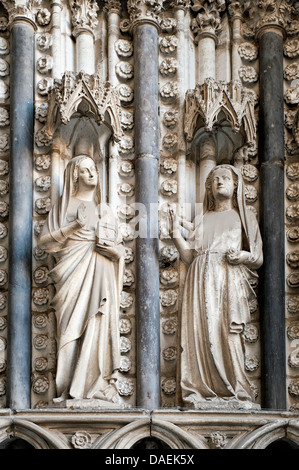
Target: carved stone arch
{"type": "Point", "coordinates": [125, 437]}
{"type": "Point", "coordinates": [265, 435]}
{"type": "Point", "coordinates": [35, 435]}
{"type": "Point", "coordinates": [174, 436]}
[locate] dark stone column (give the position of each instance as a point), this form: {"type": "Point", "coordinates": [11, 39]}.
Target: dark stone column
{"type": "Point", "coordinates": [20, 218]}
{"type": "Point", "coordinates": [272, 283]}
{"type": "Point", "coordinates": [146, 68]}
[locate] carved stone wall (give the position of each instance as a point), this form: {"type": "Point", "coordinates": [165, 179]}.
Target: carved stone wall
{"type": "Point", "coordinates": [209, 89]}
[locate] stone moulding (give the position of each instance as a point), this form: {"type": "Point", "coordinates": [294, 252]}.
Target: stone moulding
{"type": "Point", "coordinates": [68, 93]}
{"type": "Point", "coordinates": [212, 97]}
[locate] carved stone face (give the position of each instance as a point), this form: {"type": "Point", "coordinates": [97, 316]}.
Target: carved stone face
{"type": "Point", "coordinates": [223, 184]}
{"type": "Point", "coordinates": [87, 176]}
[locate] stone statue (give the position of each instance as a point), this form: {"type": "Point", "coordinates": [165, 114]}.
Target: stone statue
{"type": "Point", "coordinates": [88, 280]}
{"type": "Point", "coordinates": [223, 251]}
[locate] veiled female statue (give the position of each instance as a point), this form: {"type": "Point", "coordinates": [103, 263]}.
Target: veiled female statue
{"type": "Point", "coordinates": [223, 251]}
{"type": "Point", "coordinates": [88, 280]}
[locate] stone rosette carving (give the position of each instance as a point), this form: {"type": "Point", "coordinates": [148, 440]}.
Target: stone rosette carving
{"type": "Point", "coordinates": [40, 275]}
{"type": "Point", "coordinates": [124, 70]}
{"type": "Point", "coordinates": [218, 440]}
{"type": "Point", "coordinates": [4, 117]}
{"type": "Point", "coordinates": [3, 230]}
{"type": "Point", "coordinates": [43, 205]}
{"type": "Point", "coordinates": [251, 363]}
{"type": "Point", "coordinates": [40, 321]}
{"type": "Point", "coordinates": [251, 333]}
{"type": "Point", "coordinates": [40, 364]}
{"type": "Point", "coordinates": [3, 323]}
{"type": "Point", "coordinates": [168, 25]}
{"type": "Point", "coordinates": [293, 331]}
{"type": "Point", "coordinates": [169, 92]}
{"type": "Point", "coordinates": [126, 145]}
{"type": "Point", "coordinates": [291, 72]}
{"type": "Point", "coordinates": [293, 280]}
{"type": "Point", "coordinates": [38, 226]}
{"type": "Point", "coordinates": [168, 166]}
{"type": "Point", "coordinates": [290, 118]}
{"type": "Point", "coordinates": [44, 42]}
{"type": "Point", "coordinates": [168, 67]}
{"type": "Point", "coordinates": [126, 168]}
{"type": "Point", "coordinates": [126, 211]}
{"type": "Point", "coordinates": [3, 254]}
{"type": "Point", "coordinates": [292, 171]}
{"type": "Point", "coordinates": [170, 119]}
{"type": "Point", "coordinates": [127, 232]}
{"type": "Point", "coordinates": [168, 44]}
{"type": "Point", "coordinates": [292, 192]}
{"type": "Point", "coordinates": [44, 86]}
{"type": "Point", "coordinates": [42, 162]}
{"type": "Point", "coordinates": [291, 96]}
{"type": "Point", "coordinates": [41, 296]}
{"type": "Point", "coordinates": [81, 440]}
{"type": "Point", "coordinates": [126, 94]}
{"type": "Point", "coordinates": [4, 142]}
{"type": "Point", "coordinates": [169, 277]}
{"type": "Point", "coordinates": [41, 112]}
{"type": "Point", "coordinates": [250, 173]}
{"type": "Point", "coordinates": [293, 304]}
{"type": "Point", "coordinates": [127, 120]}
{"type": "Point", "coordinates": [248, 74]}
{"type": "Point", "coordinates": [169, 187]}
{"type": "Point", "coordinates": [169, 326]}
{"type": "Point", "coordinates": [126, 189]}
{"type": "Point", "coordinates": [293, 389]}
{"type": "Point", "coordinates": [44, 64]}
{"type": "Point", "coordinates": [170, 141]}
{"type": "Point", "coordinates": [125, 326]}
{"type": "Point", "coordinates": [4, 46]}
{"type": "Point", "coordinates": [40, 385]}
{"type": "Point", "coordinates": [168, 385]}
{"type": "Point", "coordinates": [4, 68]}
{"type": "Point", "coordinates": [125, 344]}
{"type": "Point", "coordinates": [168, 298]}
{"type": "Point", "coordinates": [4, 210]}
{"type": "Point", "coordinates": [169, 354]}
{"type": "Point", "coordinates": [43, 183]}
{"type": "Point", "coordinates": [3, 301]}
{"type": "Point", "coordinates": [125, 364]}
{"type": "Point", "coordinates": [169, 254]}
{"type": "Point", "coordinates": [4, 187]}
{"type": "Point", "coordinates": [129, 255]}
{"type": "Point", "coordinates": [2, 387]}
{"type": "Point", "coordinates": [248, 51]}
{"type": "Point", "coordinates": [39, 253]}
{"type": "Point", "coordinates": [3, 343]}
{"type": "Point", "coordinates": [4, 91]}
{"type": "Point", "coordinates": [292, 212]}
{"type": "Point", "coordinates": [250, 193]}
{"type": "Point", "coordinates": [293, 235]}
{"type": "Point", "coordinates": [3, 277]}
{"type": "Point", "coordinates": [129, 278]}
{"type": "Point", "coordinates": [40, 342]}
{"type": "Point", "coordinates": [126, 388]}
{"type": "Point", "coordinates": [291, 48]}
{"type": "Point", "coordinates": [2, 365]}
{"type": "Point", "coordinates": [126, 300]}
{"type": "Point", "coordinates": [293, 359]}
{"type": "Point", "coordinates": [124, 48]}
{"type": "Point", "coordinates": [43, 17]}
{"type": "Point", "coordinates": [293, 259]}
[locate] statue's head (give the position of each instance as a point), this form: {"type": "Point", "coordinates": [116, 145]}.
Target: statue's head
{"type": "Point", "coordinates": [221, 183]}
{"type": "Point", "coordinates": [85, 174]}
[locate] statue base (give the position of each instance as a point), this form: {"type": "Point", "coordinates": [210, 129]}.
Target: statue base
{"type": "Point", "coordinates": [222, 404]}
{"type": "Point", "coordinates": [89, 404]}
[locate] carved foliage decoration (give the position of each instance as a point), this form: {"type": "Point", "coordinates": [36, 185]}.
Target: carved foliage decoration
{"type": "Point", "coordinates": [66, 96]}
{"type": "Point", "coordinates": [209, 99]}
{"type": "Point", "coordinates": [84, 14]}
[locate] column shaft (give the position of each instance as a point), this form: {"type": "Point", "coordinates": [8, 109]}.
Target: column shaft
{"type": "Point", "coordinates": [20, 219]}
{"type": "Point", "coordinates": [147, 278]}
{"type": "Point", "coordinates": [271, 151]}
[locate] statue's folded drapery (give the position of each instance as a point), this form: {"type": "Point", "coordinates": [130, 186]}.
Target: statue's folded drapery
{"type": "Point", "coordinates": [86, 302]}
{"type": "Point", "coordinates": [216, 304]}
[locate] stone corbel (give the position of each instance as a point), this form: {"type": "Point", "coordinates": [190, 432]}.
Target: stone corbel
{"type": "Point", "coordinates": [66, 96]}
{"type": "Point", "coordinates": [209, 99]}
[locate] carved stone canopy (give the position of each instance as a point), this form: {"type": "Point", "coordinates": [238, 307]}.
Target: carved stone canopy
{"type": "Point", "coordinates": [212, 97]}
{"type": "Point", "coordinates": [98, 100]}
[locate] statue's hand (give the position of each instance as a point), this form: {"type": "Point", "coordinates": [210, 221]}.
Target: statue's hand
{"type": "Point", "coordinates": [81, 214]}
{"type": "Point", "coordinates": [174, 221]}
{"type": "Point", "coordinates": [110, 252]}
{"type": "Point", "coordinates": [237, 257]}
